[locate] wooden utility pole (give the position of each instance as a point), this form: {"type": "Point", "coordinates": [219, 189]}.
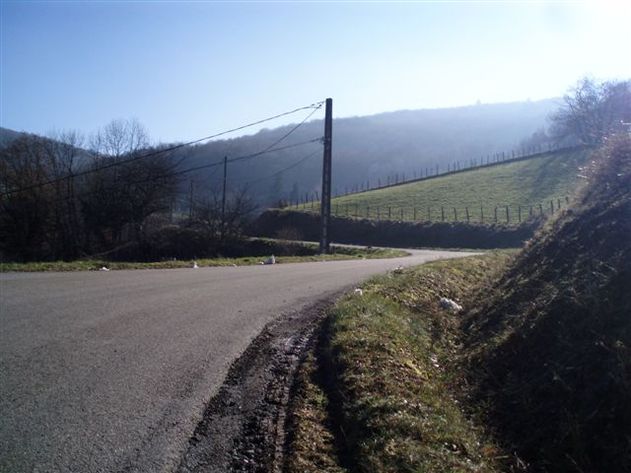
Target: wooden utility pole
{"type": "Point", "coordinates": [325, 207]}
{"type": "Point", "coordinates": [223, 195]}
{"type": "Point", "coordinates": [190, 201]}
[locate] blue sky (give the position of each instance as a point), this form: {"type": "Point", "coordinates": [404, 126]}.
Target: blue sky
{"type": "Point", "coordinates": [188, 69]}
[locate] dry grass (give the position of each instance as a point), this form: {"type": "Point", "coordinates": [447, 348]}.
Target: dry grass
{"type": "Point", "coordinates": [341, 253]}
{"type": "Point", "coordinates": [393, 402]}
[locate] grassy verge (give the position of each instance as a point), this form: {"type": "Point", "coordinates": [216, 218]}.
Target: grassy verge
{"type": "Point", "coordinates": [340, 253]}
{"type": "Point", "coordinates": [394, 400]}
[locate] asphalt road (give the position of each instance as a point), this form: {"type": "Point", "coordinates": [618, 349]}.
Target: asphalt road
{"type": "Point", "coordinates": [110, 371]}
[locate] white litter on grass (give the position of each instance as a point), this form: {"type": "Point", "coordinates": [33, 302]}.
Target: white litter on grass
{"type": "Point", "coordinates": [398, 270]}
{"type": "Point", "coordinates": [358, 291]}
{"type": "Point", "coordinates": [104, 269]}
{"type": "Point", "coordinates": [195, 265]}
{"type": "Point", "coordinates": [270, 260]}
{"type": "Point", "coordinates": [448, 304]}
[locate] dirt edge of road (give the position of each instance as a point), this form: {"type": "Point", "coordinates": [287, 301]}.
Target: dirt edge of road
{"type": "Point", "coordinates": [243, 426]}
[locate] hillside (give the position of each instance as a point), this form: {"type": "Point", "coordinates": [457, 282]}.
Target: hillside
{"type": "Point", "coordinates": [498, 206]}
{"type": "Point", "coordinates": [370, 147]}
{"type": "Point", "coordinates": [364, 148]}
{"type": "Point", "coordinates": [7, 136]}
{"type": "Point", "coordinates": [532, 375]}
{"type": "Point", "coordinates": [524, 184]}
{"type": "Point", "coordinates": [551, 342]}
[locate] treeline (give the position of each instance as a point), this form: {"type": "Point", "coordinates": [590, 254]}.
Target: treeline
{"type": "Point", "coordinates": [114, 195]}
{"type": "Point", "coordinates": [590, 113]}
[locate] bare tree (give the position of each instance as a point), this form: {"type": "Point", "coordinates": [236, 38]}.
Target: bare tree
{"type": "Point", "coordinates": [591, 111]}
{"type": "Point", "coordinates": [120, 138]}
{"type": "Point", "coordinates": [223, 226]}
{"type": "Point", "coordinates": [124, 191]}
{"type": "Point", "coordinates": [47, 211]}
{"type": "Point", "coordinates": [27, 207]}
{"type": "Point", "coordinates": [63, 152]}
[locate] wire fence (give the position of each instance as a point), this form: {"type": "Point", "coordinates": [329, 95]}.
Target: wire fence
{"type": "Point", "coordinates": [481, 214]}
{"type": "Point", "coordinates": [432, 172]}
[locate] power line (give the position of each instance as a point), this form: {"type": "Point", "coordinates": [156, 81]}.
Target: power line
{"type": "Point", "coordinates": [316, 106]}
{"type": "Point", "coordinates": [270, 148]}
{"type": "Point", "coordinates": [282, 138]}
{"type": "Point", "coordinates": [247, 156]}
{"type": "Point", "coordinates": [207, 166]}
{"type": "Point", "coordinates": [277, 173]}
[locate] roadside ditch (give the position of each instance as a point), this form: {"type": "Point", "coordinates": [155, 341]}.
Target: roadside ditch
{"type": "Point", "coordinates": [243, 426]}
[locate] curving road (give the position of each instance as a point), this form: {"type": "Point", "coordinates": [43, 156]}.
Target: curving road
{"type": "Point", "coordinates": [110, 371]}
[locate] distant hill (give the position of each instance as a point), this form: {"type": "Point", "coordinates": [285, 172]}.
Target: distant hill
{"type": "Point", "coordinates": [7, 136]}
{"type": "Point", "coordinates": [364, 148]}
{"type": "Point", "coordinates": [371, 147]}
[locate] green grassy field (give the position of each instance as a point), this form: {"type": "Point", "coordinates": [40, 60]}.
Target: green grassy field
{"type": "Point", "coordinates": [520, 186]}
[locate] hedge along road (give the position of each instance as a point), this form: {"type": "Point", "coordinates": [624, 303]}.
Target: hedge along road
{"type": "Point", "coordinates": [110, 371]}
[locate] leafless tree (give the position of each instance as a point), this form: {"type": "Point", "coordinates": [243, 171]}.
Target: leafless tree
{"type": "Point", "coordinates": [63, 152]}
{"type": "Point", "coordinates": [221, 225]}
{"type": "Point", "coordinates": [591, 111]}
{"type": "Point", "coordinates": [24, 215]}
{"type": "Point", "coordinates": [120, 138]}
{"type": "Point", "coordinates": [131, 182]}
{"type": "Point", "coordinates": [52, 208]}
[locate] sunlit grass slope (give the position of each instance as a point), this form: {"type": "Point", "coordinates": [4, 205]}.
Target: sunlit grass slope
{"type": "Point", "coordinates": [528, 183]}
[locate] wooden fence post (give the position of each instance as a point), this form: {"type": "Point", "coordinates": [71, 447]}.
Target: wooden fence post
{"type": "Point", "coordinates": [507, 215]}
{"type": "Point", "coordinates": [442, 214]}
{"type": "Point", "coordinates": [495, 214]}
{"type": "Point", "coordinates": [466, 209]}
{"type": "Point", "coordinates": [519, 213]}
{"type": "Point", "coordinates": [455, 215]}
{"type": "Point", "coordinates": [481, 214]}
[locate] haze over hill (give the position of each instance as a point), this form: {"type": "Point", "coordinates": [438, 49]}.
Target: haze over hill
{"type": "Point", "coordinates": [364, 148]}
{"type": "Point", "coordinates": [369, 147]}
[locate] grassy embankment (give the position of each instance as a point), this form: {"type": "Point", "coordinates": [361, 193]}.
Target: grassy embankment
{"type": "Point", "coordinates": [339, 253]}
{"type": "Point", "coordinates": [379, 392]}
{"type": "Point", "coordinates": [526, 183]}
{"type": "Point", "coordinates": [534, 376]}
